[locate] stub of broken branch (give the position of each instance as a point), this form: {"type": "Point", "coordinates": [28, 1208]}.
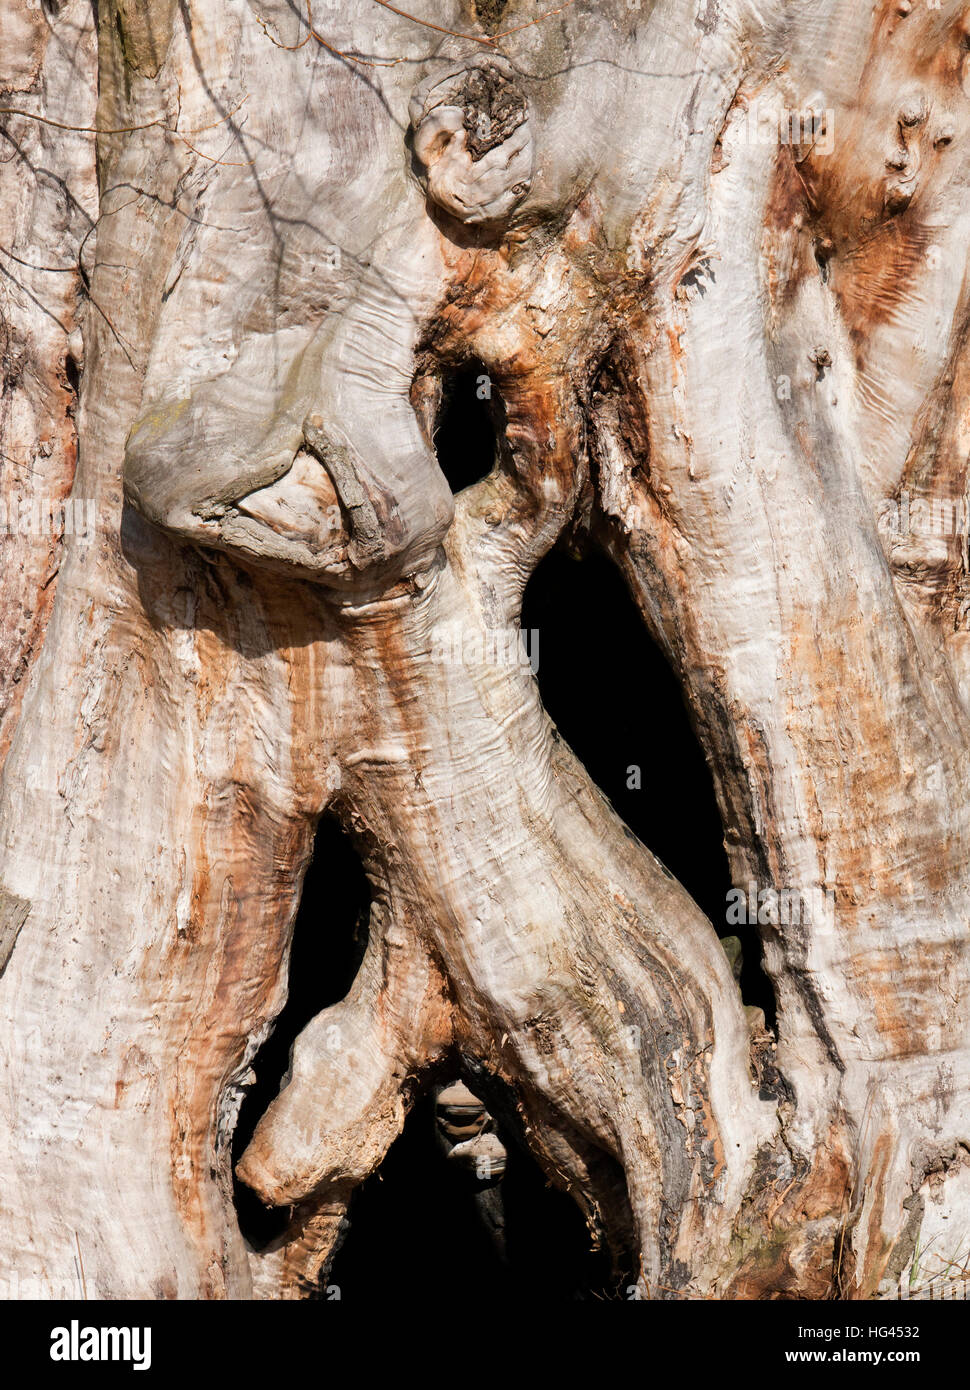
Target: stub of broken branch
{"type": "Point", "coordinates": [473, 142]}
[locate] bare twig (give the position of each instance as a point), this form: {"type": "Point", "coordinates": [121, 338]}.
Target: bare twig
{"type": "Point", "coordinates": [486, 40]}
{"type": "Point", "coordinates": [80, 1265]}
{"type": "Point", "coordinates": [427, 24]}
{"type": "Point", "coordinates": [324, 43]}
{"type": "Point", "coordinates": [122, 130]}
{"type": "Point", "coordinates": [546, 14]}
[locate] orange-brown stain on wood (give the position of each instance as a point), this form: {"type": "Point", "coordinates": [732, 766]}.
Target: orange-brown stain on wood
{"type": "Point", "coordinates": [786, 245]}
{"type": "Point", "coordinates": [245, 919]}
{"type": "Point", "coordinates": [793, 1227]}
{"type": "Point", "coordinates": [875, 194]}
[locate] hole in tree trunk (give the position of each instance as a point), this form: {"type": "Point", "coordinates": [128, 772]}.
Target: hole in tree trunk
{"type": "Point", "coordinates": [424, 1228]}
{"type": "Point", "coordinates": [329, 937]}
{"type": "Point", "coordinates": [465, 436]}
{"type": "Point", "coordinates": [421, 1222]}
{"type": "Point", "coordinates": [489, 13]}
{"type": "Point", "coordinates": [616, 702]}
{"type": "Point", "coordinates": [72, 371]}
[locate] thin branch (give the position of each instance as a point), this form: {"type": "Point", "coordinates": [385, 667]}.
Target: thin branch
{"type": "Point", "coordinates": [289, 47]}
{"type": "Point", "coordinates": [337, 52]}
{"type": "Point", "coordinates": [79, 129]}
{"type": "Point", "coordinates": [228, 163]}
{"type": "Point", "coordinates": [121, 130]}
{"type": "Point", "coordinates": [486, 40]}
{"type": "Point", "coordinates": [84, 1283]}
{"type": "Point", "coordinates": [489, 40]}
{"type": "Point", "coordinates": [426, 24]}
{"type": "Point", "coordinates": [547, 14]}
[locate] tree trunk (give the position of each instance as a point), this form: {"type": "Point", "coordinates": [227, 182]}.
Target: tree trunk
{"type": "Point", "coordinates": [710, 256]}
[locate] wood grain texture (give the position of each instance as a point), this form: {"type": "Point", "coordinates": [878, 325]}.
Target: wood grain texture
{"type": "Point", "coordinates": [712, 258]}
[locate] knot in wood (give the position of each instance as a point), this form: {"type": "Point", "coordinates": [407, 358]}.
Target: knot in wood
{"type": "Point", "coordinates": [472, 141]}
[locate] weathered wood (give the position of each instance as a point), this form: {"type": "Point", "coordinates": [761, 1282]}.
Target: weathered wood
{"type": "Point", "coordinates": [48, 207]}
{"type": "Point", "coordinates": [712, 259]}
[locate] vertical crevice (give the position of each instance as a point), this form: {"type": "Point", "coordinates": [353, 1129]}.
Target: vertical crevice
{"type": "Point", "coordinates": [419, 1224]}
{"type": "Point", "coordinates": [617, 703]}
{"type": "Point", "coordinates": [329, 938]}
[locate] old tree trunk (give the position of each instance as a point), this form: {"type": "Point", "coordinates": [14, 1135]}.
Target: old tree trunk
{"type": "Point", "coordinates": [711, 257]}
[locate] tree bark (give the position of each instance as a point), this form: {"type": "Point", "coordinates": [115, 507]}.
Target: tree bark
{"type": "Point", "coordinates": [711, 256]}
{"type": "Point", "coordinates": [48, 207]}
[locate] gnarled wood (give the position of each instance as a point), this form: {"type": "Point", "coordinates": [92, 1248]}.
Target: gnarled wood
{"type": "Point", "coordinates": [713, 264]}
